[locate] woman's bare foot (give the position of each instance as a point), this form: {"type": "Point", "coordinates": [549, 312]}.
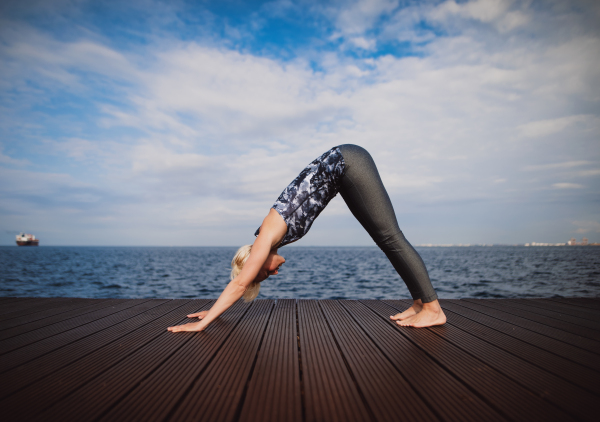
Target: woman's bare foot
{"type": "Point", "coordinates": [431, 314]}
{"type": "Point", "coordinates": [412, 311]}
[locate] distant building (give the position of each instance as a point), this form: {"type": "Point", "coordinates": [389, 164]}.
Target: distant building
{"type": "Point", "coordinates": [544, 244]}
{"type": "Point", "coordinates": [584, 241]}
{"type": "Point", "coordinates": [572, 242]}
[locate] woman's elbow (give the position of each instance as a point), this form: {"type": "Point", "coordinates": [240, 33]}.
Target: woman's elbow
{"type": "Point", "coordinates": [238, 286]}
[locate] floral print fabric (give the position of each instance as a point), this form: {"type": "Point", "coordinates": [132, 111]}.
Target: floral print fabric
{"type": "Point", "coordinates": [304, 199]}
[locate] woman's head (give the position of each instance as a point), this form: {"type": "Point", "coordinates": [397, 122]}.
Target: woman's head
{"type": "Point", "coordinates": [270, 267]}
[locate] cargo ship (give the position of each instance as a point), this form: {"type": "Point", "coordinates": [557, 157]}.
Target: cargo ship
{"type": "Point", "coordinates": [24, 239]}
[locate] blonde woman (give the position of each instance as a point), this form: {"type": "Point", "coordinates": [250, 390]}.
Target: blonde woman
{"type": "Point", "coordinates": [349, 170]}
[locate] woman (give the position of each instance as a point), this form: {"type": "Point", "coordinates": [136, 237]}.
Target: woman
{"type": "Point", "coordinates": [350, 170]}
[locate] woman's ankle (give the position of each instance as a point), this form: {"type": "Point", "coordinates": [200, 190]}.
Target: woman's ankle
{"type": "Point", "coordinates": [432, 306]}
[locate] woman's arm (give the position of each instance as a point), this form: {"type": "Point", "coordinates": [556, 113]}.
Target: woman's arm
{"type": "Point", "coordinates": [272, 231]}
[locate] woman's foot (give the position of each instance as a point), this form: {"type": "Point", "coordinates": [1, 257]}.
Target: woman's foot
{"type": "Point", "coordinates": [431, 314]}
{"type": "Point", "coordinates": [412, 311]}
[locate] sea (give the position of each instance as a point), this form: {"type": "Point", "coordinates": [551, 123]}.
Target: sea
{"type": "Point", "coordinates": [309, 272]}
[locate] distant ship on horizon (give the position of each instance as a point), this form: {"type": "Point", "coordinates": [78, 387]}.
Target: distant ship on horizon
{"type": "Point", "coordinates": [24, 239]}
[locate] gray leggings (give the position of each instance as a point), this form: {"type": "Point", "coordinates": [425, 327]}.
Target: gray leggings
{"type": "Point", "coordinates": [369, 202]}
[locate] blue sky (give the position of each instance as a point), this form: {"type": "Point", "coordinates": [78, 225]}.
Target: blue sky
{"type": "Point", "coordinates": [179, 122]}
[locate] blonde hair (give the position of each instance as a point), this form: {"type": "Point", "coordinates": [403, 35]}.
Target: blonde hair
{"type": "Point", "coordinates": [237, 263]}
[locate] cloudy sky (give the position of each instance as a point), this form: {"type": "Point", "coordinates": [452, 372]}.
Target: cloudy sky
{"type": "Point", "coordinates": [180, 122]}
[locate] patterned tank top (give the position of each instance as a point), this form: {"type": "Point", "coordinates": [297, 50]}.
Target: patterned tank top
{"type": "Point", "coordinates": [304, 199]}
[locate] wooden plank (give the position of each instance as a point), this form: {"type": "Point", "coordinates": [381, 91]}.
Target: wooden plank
{"type": "Point", "coordinates": [39, 310]}
{"type": "Point", "coordinates": [484, 379]}
{"type": "Point", "coordinates": [319, 360]}
{"type": "Point", "coordinates": [23, 375]}
{"type": "Point", "coordinates": [568, 309]}
{"type": "Point", "coordinates": [550, 322]}
{"type": "Point", "coordinates": [23, 307]}
{"type": "Point", "coordinates": [403, 381]}
{"type": "Point", "coordinates": [228, 374]}
{"type": "Point", "coordinates": [27, 403]}
{"type": "Point", "coordinates": [557, 315]}
{"type": "Point", "coordinates": [568, 370]}
{"type": "Point", "coordinates": [573, 399]}
{"type": "Point", "coordinates": [7, 299]}
{"type": "Point", "coordinates": [581, 302]}
{"type": "Point", "coordinates": [274, 392]}
{"type": "Point", "coordinates": [17, 326]}
{"type": "Point", "coordinates": [376, 378]}
{"type": "Point", "coordinates": [14, 299]}
{"type": "Point", "coordinates": [518, 321]}
{"type": "Point", "coordinates": [330, 391]}
{"type": "Point", "coordinates": [20, 337]}
{"type": "Point", "coordinates": [494, 319]}
{"type": "Point", "coordinates": [29, 349]}
{"type": "Point", "coordinates": [182, 352]}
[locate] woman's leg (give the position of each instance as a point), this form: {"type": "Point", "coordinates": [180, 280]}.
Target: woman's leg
{"type": "Point", "coordinates": [365, 195]}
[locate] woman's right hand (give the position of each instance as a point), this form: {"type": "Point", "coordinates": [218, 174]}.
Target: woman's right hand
{"type": "Point", "coordinates": [198, 315]}
{"type": "Point", "coordinates": [192, 326]}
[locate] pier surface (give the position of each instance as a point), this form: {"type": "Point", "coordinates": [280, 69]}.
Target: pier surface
{"type": "Point", "coordinates": [64, 359]}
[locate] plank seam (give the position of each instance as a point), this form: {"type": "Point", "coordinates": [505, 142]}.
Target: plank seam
{"type": "Point", "coordinates": [79, 327]}
{"type": "Point", "coordinates": [441, 364]}
{"type": "Point", "coordinates": [431, 408]}
{"type": "Point", "coordinates": [302, 398]}
{"type": "Point", "coordinates": [115, 363]}
{"type": "Point", "coordinates": [30, 346]}
{"type": "Point", "coordinates": [240, 406]}
{"type": "Point", "coordinates": [123, 396]}
{"type": "Point", "coordinates": [508, 333]}
{"type": "Point", "coordinates": [175, 407]}
{"type": "Point", "coordinates": [544, 321]}
{"type": "Point", "coordinates": [360, 393]}
{"type": "Point", "coordinates": [531, 362]}
{"type": "Point", "coordinates": [74, 361]}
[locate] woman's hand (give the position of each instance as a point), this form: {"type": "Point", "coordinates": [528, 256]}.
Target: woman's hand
{"type": "Point", "coordinates": [192, 326]}
{"type": "Point", "coordinates": [198, 315]}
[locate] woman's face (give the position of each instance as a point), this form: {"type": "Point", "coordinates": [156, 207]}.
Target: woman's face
{"type": "Point", "coordinates": [271, 266]}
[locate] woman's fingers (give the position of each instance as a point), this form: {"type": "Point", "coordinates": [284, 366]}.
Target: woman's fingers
{"type": "Point", "coordinates": [194, 326]}
{"type": "Point", "coordinates": [198, 314]}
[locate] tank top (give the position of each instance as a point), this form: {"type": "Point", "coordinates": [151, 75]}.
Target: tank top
{"type": "Point", "coordinates": [303, 200]}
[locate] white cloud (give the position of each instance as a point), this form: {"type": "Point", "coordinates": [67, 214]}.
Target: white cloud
{"type": "Point", "coordinates": [50, 189]}
{"type": "Point", "coordinates": [360, 16]}
{"type": "Point", "coordinates": [558, 166]}
{"type": "Point", "coordinates": [80, 149]}
{"type": "Point", "coordinates": [567, 186]}
{"type": "Point", "coordinates": [27, 52]}
{"type": "Point", "coordinates": [587, 226]}
{"type": "Point", "coordinates": [365, 44]}
{"type": "Point", "coordinates": [200, 135]}
{"type": "Point", "coordinates": [543, 128]}
{"type": "Point", "coordinates": [496, 12]}
{"type": "Point", "coordinates": [589, 173]}
{"type": "Point", "coordinates": [7, 160]}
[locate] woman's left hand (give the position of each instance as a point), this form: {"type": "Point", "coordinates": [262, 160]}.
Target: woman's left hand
{"type": "Point", "coordinates": [193, 326]}
{"type": "Point", "coordinates": [198, 315]}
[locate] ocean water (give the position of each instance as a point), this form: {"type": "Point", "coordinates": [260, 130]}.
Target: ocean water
{"type": "Point", "coordinates": [310, 272]}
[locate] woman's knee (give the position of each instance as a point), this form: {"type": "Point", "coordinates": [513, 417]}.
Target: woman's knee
{"type": "Point", "coordinates": [355, 155]}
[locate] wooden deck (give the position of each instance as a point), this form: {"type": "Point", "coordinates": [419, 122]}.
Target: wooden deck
{"type": "Point", "coordinates": [333, 360]}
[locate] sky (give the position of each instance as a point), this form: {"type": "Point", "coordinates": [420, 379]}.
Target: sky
{"type": "Point", "coordinates": [179, 123]}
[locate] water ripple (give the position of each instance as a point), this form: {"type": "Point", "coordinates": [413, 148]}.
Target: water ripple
{"type": "Point", "coordinates": [310, 272]}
